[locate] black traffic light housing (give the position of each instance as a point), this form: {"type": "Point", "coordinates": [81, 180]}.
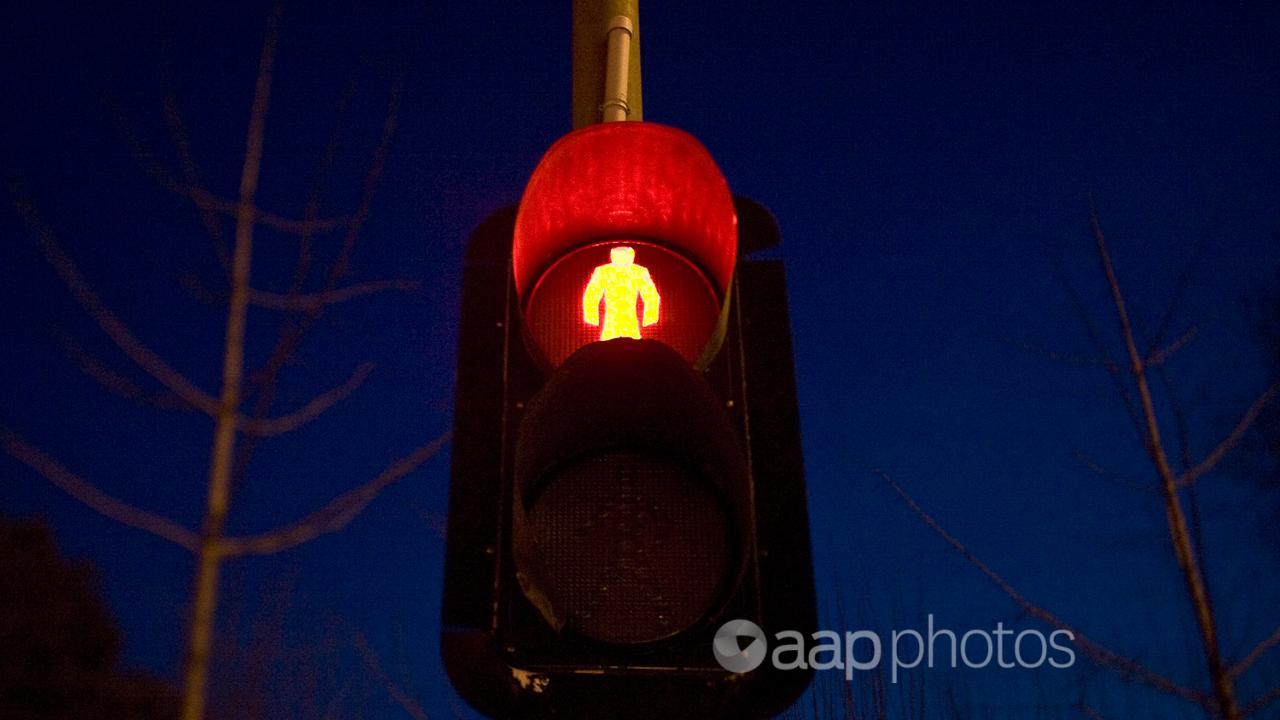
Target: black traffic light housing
{"type": "Point", "coordinates": [678, 504]}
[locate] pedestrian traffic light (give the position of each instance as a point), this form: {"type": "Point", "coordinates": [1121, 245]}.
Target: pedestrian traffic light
{"type": "Point", "coordinates": [627, 474]}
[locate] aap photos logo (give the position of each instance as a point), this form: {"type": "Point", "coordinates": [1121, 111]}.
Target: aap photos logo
{"type": "Point", "coordinates": [740, 646]}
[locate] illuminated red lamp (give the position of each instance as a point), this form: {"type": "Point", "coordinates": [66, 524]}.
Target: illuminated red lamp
{"type": "Point", "coordinates": [644, 210]}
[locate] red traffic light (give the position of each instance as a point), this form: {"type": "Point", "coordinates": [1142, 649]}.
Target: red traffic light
{"type": "Point", "coordinates": [625, 230]}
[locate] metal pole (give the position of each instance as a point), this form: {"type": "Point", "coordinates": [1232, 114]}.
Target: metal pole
{"type": "Point", "coordinates": [617, 69]}
{"type": "Point", "coordinates": [594, 23]}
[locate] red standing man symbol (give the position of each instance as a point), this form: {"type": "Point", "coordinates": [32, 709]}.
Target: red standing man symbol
{"type": "Point", "coordinates": [619, 284]}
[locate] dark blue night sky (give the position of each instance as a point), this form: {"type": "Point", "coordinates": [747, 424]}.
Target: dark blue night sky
{"type": "Point", "coordinates": [930, 168]}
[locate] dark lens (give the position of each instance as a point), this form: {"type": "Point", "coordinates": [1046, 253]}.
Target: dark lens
{"type": "Point", "coordinates": [634, 548]}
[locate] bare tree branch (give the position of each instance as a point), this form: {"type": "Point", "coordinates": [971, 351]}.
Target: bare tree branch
{"type": "Point", "coordinates": [1047, 354]}
{"type": "Point", "coordinates": [120, 334]}
{"type": "Point", "coordinates": [205, 595]}
{"type": "Point", "coordinates": [153, 365]}
{"type": "Point", "coordinates": [315, 194]}
{"type": "Point", "coordinates": [335, 515]}
{"type": "Point", "coordinates": [1182, 284]}
{"type": "Point", "coordinates": [1092, 466]}
{"type": "Point", "coordinates": [96, 500]}
{"type": "Point", "coordinates": [199, 290]}
{"type": "Point", "coordinates": [1183, 429]}
{"type": "Point", "coordinates": [1229, 443]}
{"type": "Point", "coordinates": [1113, 370]}
{"type": "Point", "coordinates": [1224, 690]}
{"type": "Point", "coordinates": [1157, 357]}
{"type": "Point", "coordinates": [1100, 654]}
{"type": "Point", "coordinates": [402, 698]}
{"type": "Point", "coordinates": [335, 703]}
{"type": "Point", "coordinates": [1089, 712]}
{"type": "Point", "coordinates": [1261, 702]}
{"type": "Point", "coordinates": [269, 427]}
{"type": "Point", "coordinates": [437, 522]}
{"type": "Point", "coordinates": [1258, 651]}
{"type": "Point", "coordinates": [116, 383]}
{"type": "Point", "coordinates": [293, 330]}
{"type": "Point", "coordinates": [311, 301]}
{"type": "Point", "coordinates": [208, 201]}
{"type": "Point", "coordinates": [372, 177]}
{"type": "Point", "coordinates": [178, 133]}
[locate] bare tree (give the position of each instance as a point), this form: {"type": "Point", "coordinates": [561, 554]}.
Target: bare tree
{"type": "Point", "coordinates": [235, 428]}
{"type": "Point", "coordinates": [1175, 488]}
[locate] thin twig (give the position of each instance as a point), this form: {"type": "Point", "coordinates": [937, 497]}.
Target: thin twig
{"type": "Point", "coordinates": [1183, 428]}
{"type": "Point", "coordinates": [1090, 713]}
{"type": "Point", "coordinates": [437, 522]}
{"type": "Point", "coordinates": [1094, 467]}
{"type": "Point", "coordinates": [1261, 702]}
{"type": "Point", "coordinates": [120, 334]}
{"type": "Point", "coordinates": [191, 174]}
{"type": "Point", "coordinates": [270, 427]}
{"type": "Point", "coordinates": [311, 301]}
{"type": "Point", "coordinates": [95, 499]}
{"type": "Point", "coordinates": [210, 202]}
{"type": "Point", "coordinates": [336, 514]}
{"type": "Point", "coordinates": [371, 180]}
{"type": "Point", "coordinates": [1229, 443]}
{"type": "Point", "coordinates": [1113, 370]}
{"type": "Point", "coordinates": [335, 703]}
{"type": "Point", "coordinates": [1050, 355]}
{"type": "Point", "coordinates": [402, 698]}
{"type": "Point", "coordinates": [1182, 284]}
{"type": "Point", "coordinates": [206, 200]}
{"type": "Point", "coordinates": [311, 211]}
{"type": "Point", "coordinates": [1157, 357]}
{"type": "Point", "coordinates": [1100, 654]}
{"type": "Point", "coordinates": [116, 383]}
{"type": "Point", "coordinates": [1258, 651]}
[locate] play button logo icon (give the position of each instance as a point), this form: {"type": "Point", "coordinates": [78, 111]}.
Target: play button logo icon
{"type": "Point", "coordinates": [739, 646]}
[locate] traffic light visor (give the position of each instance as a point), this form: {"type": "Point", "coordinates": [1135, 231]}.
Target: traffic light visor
{"type": "Point", "coordinates": [636, 217]}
